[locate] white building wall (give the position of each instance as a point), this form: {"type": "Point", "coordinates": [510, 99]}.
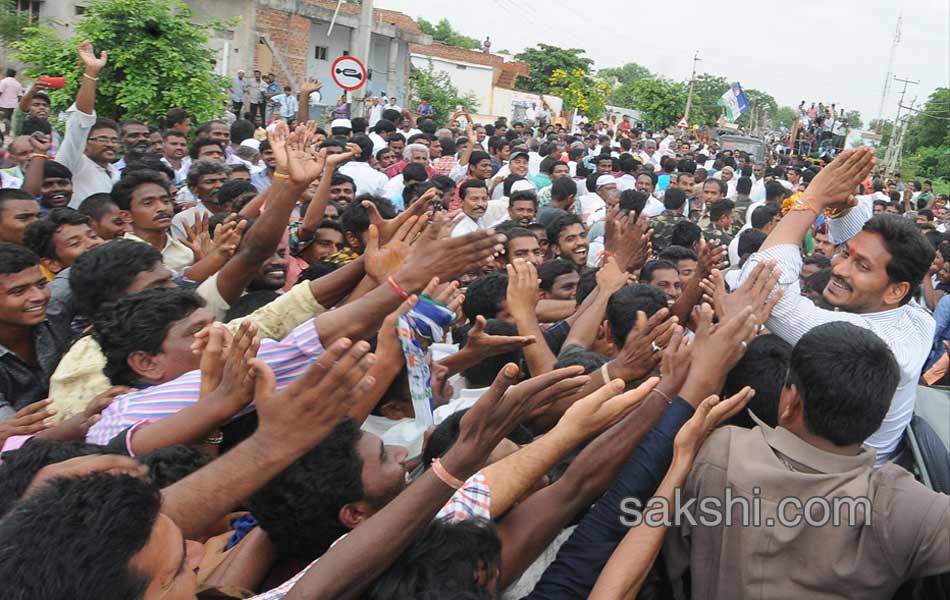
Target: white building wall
{"type": "Point", "coordinates": [467, 77]}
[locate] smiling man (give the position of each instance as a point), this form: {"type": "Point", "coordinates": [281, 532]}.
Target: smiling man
{"type": "Point", "coordinates": [474, 197]}
{"type": "Point", "coordinates": [875, 276]}
{"type": "Point", "coordinates": [30, 344]}
{"type": "Point", "coordinates": [568, 237]}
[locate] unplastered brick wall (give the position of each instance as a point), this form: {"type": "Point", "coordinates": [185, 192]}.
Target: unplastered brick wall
{"type": "Point", "coordinates": [290, 35]}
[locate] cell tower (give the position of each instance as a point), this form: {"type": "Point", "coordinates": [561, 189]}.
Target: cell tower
{"type": "Point", "coordinates": [890, 69]}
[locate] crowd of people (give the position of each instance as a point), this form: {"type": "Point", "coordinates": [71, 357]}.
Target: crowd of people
{"type": "Point", "coordinates": [383, 357]}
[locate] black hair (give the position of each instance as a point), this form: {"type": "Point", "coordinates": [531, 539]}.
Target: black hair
{"type": "Point", "coordinates": [817, 259]}
{"type": "Point", "coordinates": [485, 295]}
{"type": "Point", "coordinates": [477, 156]}
{"type": "Point", "coordinates": [559, 224]}
{"type": "Point", "coordinates": [139, 323]}
{"type": "Point", "coordinates": [15, 258]}
{"type": "Point", "coordinates": [448, 146]}
{"type": "Point", "coordinates": [396, 137]}
{"type": "Point", "coordinates": [911, 253]}
{"type": "Point", "coordinates": [646, 273]}
{"type": "Point", "coordinates": [674, 254]}
{"type": "Point", "coordinates": [685, 233]}
{"type": "Point", "coordinates": [591, 361]}
{"type": "Point", "coordinates": [148, 163]}
{"type": "Point", "coordinates": [316, 271]}
{"type": "Point", "coordinates": [55, 170]}
{"type": "Point", "coordinates": [385, 125]}
{"type": "Point", "coordinates": [38, 235]}
{"type": "Point", "coordinates": [550, 270]}
{"type": "Point", "coordinates": [750, 240]}
{"type": "Point", "coordinates": [76, 536]}
{"type": "Point", "coordinates": [97, 205]}
{"type": "Point", "coordinates": [414, 172]}
{"type": "Point", "coordinates": [103, 123]}
{"type": "Point", "coordinates": [470, 184]}
{"type": "Point", "coordinates": [33, 124]}
{"type": "Point", "coordinates": [382, 151]}
{"type": "Point", "coordinates": [366, 147]}
{"type": "Point", "coordinates": [718, 210]}
{"type": "Point", "coordinates": [201, 143]}
{"type": "Point", "coordinates": [649, 174]}
{"type": "Point", "coordinates": [448, 560]}
{"type": "Point", "coordinates": [585, 285]}
{"type": "Point", "coordinates": [102, 274]}
{"type": "Point", "coordinates": [355, 217]}
{"type": "Point", "coordinates": [846, 404]}
{"type": "Point", "coordinates": [816, 283]}
{"type": "Point", "coordinates": [205, 166]}
{"type": "Point", "coordinates": [632, 201]}
{"type": "Point", "coordinates": [10, 194]}
{"type": "Point", "coordinates": [445, 434]}
{"type": "Point", "coordinates": [763, 215]}
{"type": "Point", "coordinates": [241, 129]}
{"type": "Point", "coordinates": [173, 463]}
{"type": "Point", "coordinates": [299, 508]}
{"type": "Point", "coordinates": [775, 191]}
{"type": "Point", "coordinates": [230, 191]}
{"type": "Point", "coordinates": [623, 306]}
{"type": "Point", "coordinates": [123, 189]}
{"type": "Point", "coordinates": [443, 182]}
{"type": "Point", "coordinates": [176, 116]}
{"type": "Point", "coordinates": [340, 179]}
{"type": "Point", "coordinates": [722, 185]}
{"type": "Point", "coordinates": [674, 199]}
{"type": "Point", "coordinates": [763, 367]}
{"type": "Point", "coordinates": [563, 188]}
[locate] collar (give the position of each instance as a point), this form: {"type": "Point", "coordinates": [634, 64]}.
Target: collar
{"type": "Point", "coordinates": [797, 449]}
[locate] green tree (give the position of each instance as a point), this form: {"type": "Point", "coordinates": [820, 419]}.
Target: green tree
{"type": "Point", "coordinates": [158, 59]}
{"type": "Point", "coordinates": [444, 32]}
{"type": "Point", "coordinates": [441, 93]}
{"type": "Point", "coordinates": [854, 120]}
{"type": "Point", "coordinates": [886, 128]}
{"type": "Point", "coordinates": [932, 162]}
{"type": "Point", "coordinates": [624, 96]}
{"type": "Point", "coordinates": [760, 103]}
{"type": "Point", "coordinates": [784, 116]}
{"type": "Point", "coordinates": [707, 90]}
{"type": "Point", "coordinates": [12, 22]}
{"type": "Point", "coordinates": [931, 126]}
{"type": "Point", "coordinates": [661, 102]}
{"type": "Point", "coordinates": [625, 75]}
{"type": "Point", "coordinates": [580, 91]}
{"type": "Point", "coordinates": [544, 60]}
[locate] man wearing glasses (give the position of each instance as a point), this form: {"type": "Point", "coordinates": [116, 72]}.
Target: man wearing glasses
{"type": "Point", "coordinates": [91, 143]}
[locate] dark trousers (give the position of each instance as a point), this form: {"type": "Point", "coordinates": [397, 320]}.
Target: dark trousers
{"type": "Point", "coordinates": [236, 109]}
{"type": "Point", "coordinates": [258, 109]}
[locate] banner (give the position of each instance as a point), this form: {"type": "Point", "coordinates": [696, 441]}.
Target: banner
{"type": "Point", "coordinates": [734, 101]}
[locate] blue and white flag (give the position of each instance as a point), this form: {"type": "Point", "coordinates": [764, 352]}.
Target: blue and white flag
{"type": "Point", "coordinates": [734, 101]}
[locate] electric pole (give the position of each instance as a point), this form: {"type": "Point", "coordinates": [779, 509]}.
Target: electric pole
{"type": "Point", "coordinates": [890, 70]}
{"type": "Point", "coordinates": [361, 51]}
{"type": "Point", "coordinates": [692, 78]}
{"type": "Point", "coordinates": [889, 155]}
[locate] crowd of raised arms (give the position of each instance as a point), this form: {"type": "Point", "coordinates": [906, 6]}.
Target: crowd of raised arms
{"type": "Point", "coordinates": [390, 358]}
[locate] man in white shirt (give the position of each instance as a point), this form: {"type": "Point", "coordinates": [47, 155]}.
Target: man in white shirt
{"type": "Point", "coordinates": [90, 144]}
{"type": "Point", "coordinates": [380, 134]}
{"type": "Point", "coordinates": [10, 92]}
{"type": "Point", "coordinates": [367, 179]}
{"type": "Point", "coordinates": [474, 196]}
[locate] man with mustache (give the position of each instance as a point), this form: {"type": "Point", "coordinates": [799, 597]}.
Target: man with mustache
{"type": "Point", "coordinates": [89, 146]}
{"type": "Point", "coordinates": [135, 143]}
{"type": "Point", "coordinates": [144, 199]}
{"type": "Point", "coordinates": [876, 273]}
{"type": "Point", "coordinates": [205, 178]}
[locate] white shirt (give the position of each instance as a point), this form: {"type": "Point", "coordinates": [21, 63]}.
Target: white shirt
{"type": "Point", "coordinates": [466, 226]}
{"type": "Point", "coordinates": [367, 179]}
{"type": "Point", "coordinates": [175, 255]}
{"type": "Point", "coordinates": [591, 203]}
{"type": "Point", "coordinates": [378, 142]}
{"type": "Point", "coordinates": [88, 177]}
{"type": "Point", "coordinates": [908, 330]}
{"type": "Point", "coordinates": [627, 182]}
{"type": "Point", "coordinates": [9, 181]}
{"type": "Point", "coordinates": [654, 207]}
{"type": "Point", "coordinates": [534, 163]}
{"type": "Point", "coordinates": [181, 174]}
{"type": "Point", "coordinates": [375, 114]}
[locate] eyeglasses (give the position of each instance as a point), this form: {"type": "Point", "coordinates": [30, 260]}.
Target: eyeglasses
{"type": "Point", "coordinates": [104, 140]}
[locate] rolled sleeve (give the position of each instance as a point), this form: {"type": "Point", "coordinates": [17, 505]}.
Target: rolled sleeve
{"type": "Point", "coordinates": [846, 227]}
{"type": "Point", "coordinates": [277, 319]}
{"type": "Point", "coordinates": [72, 150]}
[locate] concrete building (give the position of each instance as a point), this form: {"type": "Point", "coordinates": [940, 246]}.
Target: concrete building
{"type": "Point", "coordinates": [287, 37]}
{"type": "Point", "coordinates": [490, 78]}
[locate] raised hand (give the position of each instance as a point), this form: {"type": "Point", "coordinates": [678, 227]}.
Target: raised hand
{"type": "Point", "coordinates": [310, 86]}
{"type": "Point", "coordinates": [335, 160]}
{"type": "Point", "coordinates": [311, 406]}
{"type": "Point", "coordinates": [389, 227]}
{"type": "Point", "coordinates": [383, 261]}
{"type": "Point", "coordinates": [715, 351]}
{"type": "Point", "coordinates": [628, 239]}
{"type": "Point", "coordinates": [834, 185]}
{"type": "Point", "coordinates": [522, 294]}
{"type": "Point", "coordinates": [485, 344]}
{"type": "Point", "coordinates": [610, 277]}
{"type": "Point", "coordinates": [604, 407]}
{"type": "Point", "coordinates": [760, 292]}
{"type": "Point", "coordinates": [709, 414]}
{"type": "Point", "coordinates": [198, 238]}
{"type": "Point", "coordinates": [227, 235]}
{"type": "Point", "coordinates": [711, 257]}
{"type": "Point", "coordinates": [277, 137]}
{"type": "Point", "coordinates": [88, 57]}
{"type": "Point", "coordinates": [677, 357]}
{"type": "Point", "coordinates": [227, 383]}
{"type": "Point", "coordinates": [303, 166]}
{"type": "Point", "coordinates": [641, 351]}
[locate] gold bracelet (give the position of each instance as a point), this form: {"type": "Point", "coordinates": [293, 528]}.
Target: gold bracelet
{"type": "Point", "coordinates": [38, 155]}
{"type": "Point", "coordinates": [88, 76]}
{"type": "Point", "coordinates": [279, 175]}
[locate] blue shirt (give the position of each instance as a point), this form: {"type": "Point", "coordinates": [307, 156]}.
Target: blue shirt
{"type": "Point", "coordinates": [942, 333]}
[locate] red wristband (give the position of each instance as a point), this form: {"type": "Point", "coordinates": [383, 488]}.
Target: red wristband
{"type": "Point", "coordinates": [446, 477]}
{"type": "Point", "coordinates": [396, 288]}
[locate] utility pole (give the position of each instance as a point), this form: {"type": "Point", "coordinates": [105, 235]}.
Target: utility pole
{"type": "Point", "coordinates": [361, 51]}
{"type": "Point", "coordinates": [890, 70]}
{"type": "Point", "coordinates": [889, 154]}
{"type": "Point", "coordinates": [897, 154]}
{"type": "Point", "coordinates": [692, 78]}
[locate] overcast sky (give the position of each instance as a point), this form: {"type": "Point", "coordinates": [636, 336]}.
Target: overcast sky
{"type": "Point", "coordinates": [827, 50]}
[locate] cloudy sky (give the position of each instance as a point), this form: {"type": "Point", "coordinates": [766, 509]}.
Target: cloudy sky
{"type": "Point", "coordinates": [828, 50]}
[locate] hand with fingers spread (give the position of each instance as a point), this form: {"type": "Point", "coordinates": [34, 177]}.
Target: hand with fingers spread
{"type": "Point", "coordinates": [484, 344]}
{"type": "Point", "coordinates": [834, 186]}
{"type": "Point", "coordinates": [77, 426]}
{"type": "Point", "coordinates": [760, 291]}
{"type": "Point", "coordinates": [29, 420]}
{"type": "Point", "coordinates": [227, 384]}
{"type": "Point", "coordinates": [310, 86]}
{"type": "Point", "coordinates": [709, 414]}
{"type": "Point", "coordinates": [610, 277]}
{"type": "Point", "coordinates": [382, 261]}
{"type": "Point", "coordinates": [711, 257]}
{"type": "Point", "coordinates": [715, 351]}
{"type": "Point", "coordinates": [303, 166]}
{"type": "Point", "coordinates": [641, 351]}
{"type": "Point", "coordinates": [198, 238]}
{"type": "Point", "coordinates": [277, 137]}
{"type": "Point", "coordinates": [227, 236]}
{"type": "Point", "coordinates": [303, 413]}
{"type": "Point", "coordinates": [629, 241]}
{"type": "Point", "coordinates": [388, 228]}
{"type": "Point", "coordinates": [335, 160]}
{"type": "Point", "coordinates": [92, 63]}
{"type": "Point", "coordinates": [674, 366]}
{"type": "Point", "coordinates": [603, 408]}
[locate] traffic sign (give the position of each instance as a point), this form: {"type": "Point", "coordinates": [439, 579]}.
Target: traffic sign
{"type": "Point", "coordinates": [683, 124]}
{"type": "Point", "coordinates": [348, 73]}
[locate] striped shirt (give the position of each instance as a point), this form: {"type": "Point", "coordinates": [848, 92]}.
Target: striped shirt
{"type": "Point", "coordinates": [288, 359]}
{"type": "Point", "coordinates": [471, 501]}
{"type": "Point", "coordinates": [907, 330]}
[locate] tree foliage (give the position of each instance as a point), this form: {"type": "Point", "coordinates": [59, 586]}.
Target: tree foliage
{"type": "Point", "coordinates": [444, 32]}
{"type": "Point", "coordinates": [661, 102]}
{"type": "Point", "coordinates": [930, 128]}
{"type": "Point", "coordinates": [625, 75]}
{"type": "Point", "coordinates": [707, 90]}
{"type": "Point", "coordinates": [784, 116]}
{"type": "Point", "coordinates": [759, 102]}
{"type": "Point", "coordinates": [438, 89]}
{"type": "Point", "coordinates": [158, 59]}
{"type": "Point", "coordinates": [544, 60]}
{"type": "Point", "coordinates": [854, 120]}
{"type": "Point", "coordinates": [580, 91]}
{"type": "Point", "coordinates": [12, 22]}
{"type": "Point", "coordinates": [886, 127]}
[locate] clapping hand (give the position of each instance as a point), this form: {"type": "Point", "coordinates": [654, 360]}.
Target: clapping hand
{"type": "Point", "coordinates": [227, 382]}
{"type": "Point", "coordinates": [760, 292]}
